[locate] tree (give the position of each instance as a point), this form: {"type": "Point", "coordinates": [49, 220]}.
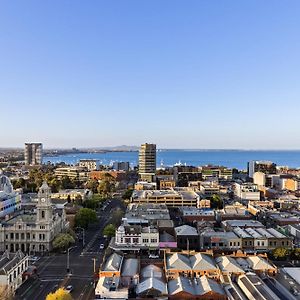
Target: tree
{"type": "Point", "coordinates": [280, 253]}
{"type": "Point", "coordinates": [216, 201]}
{"type": "Point", "coordinates": [63, 241]}
{"type": "Point", "coordinates": [92, 184]}
{"type": "Point", "coordinates": [107, 185]}
{"type": "Point", "coordinates": [117, 216]}
{"type": "Point", "coordinates": [295, 253]}
{"type": "Point", "coordinates": [109, 230]}
{"type": "Point", "coordinates": [84, 217]}
{"type": "Point", "coordinates": [127, 195]}
{"type": "Point", "coordinates": [60, 294]}
{"type": "Point", "coordinates": [66, 183]}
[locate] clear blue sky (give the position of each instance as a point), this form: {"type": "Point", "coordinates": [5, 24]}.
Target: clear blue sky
{"type": "Point", "coordinates": [185, 74]}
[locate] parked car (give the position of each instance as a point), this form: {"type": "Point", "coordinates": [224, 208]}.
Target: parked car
{"type": "Point", "coordinates": [69, 288]}
{"type": "Point", "coordinates": [101, 246]}
{"type": "Point", "coordinates": [153, 256]}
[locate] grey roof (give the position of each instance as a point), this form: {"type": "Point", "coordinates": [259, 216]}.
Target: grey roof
{"type": "Point", "coordinates": [259, 263]}
{"type": "Point", "coordinates": [178, 261]}
{"type": "Point", "coordinates": [186, 230]}
{"type": "Point", "coordinates": [152, 271]}
{"type": "Point", "coordinates": [9, 260]}
{"type": "Point", "coordinates": [197, 286]}
{"type": "Point", "coordinates": [201, 261]}
{"type": "Point", "coordinates": [198, 261]}
{"type": "Point", "coordinates": [113, 263]}
{"type": "Point", "coordinates": [130, 267]}
{"type": "Point", "coordinates": [228, 264]}
{"type": "Point", "coordinates": [152, 283]}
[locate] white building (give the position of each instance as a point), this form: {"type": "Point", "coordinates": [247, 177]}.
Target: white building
{"type": "Point", "coordinates": [259, 178]}
{"type": "Point", "coordinates": [136, 237]}
{"type": "Point", "coordinates": [247, 191]}
{"type": "Point", "coordinates": [12, 267]}
{"type": "Point", "coordinates": [10, 200]}
{"type": "Point", "coordinates": [90, 164]}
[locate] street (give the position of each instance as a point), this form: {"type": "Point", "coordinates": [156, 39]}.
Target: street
{"type": "Point", "coordinates": [52, 270]}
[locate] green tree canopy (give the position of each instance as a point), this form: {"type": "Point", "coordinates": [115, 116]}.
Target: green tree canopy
{"type": "Point", "coordinates": [117, 216]}
{"type": "Point", "coordinates": [127, 195]}
{"type": "Point", "coordinates": [84, 217]}
{"type": "Point", "coordinates": [109, 230]}
{"type": "Point", "coordinates": [63, 241]}
{"type": "Point", "coordinates": [216, 201]}
{"type": "Point", "coordinates": [107, 185]}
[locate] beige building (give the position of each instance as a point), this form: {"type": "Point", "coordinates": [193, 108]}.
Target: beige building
{"type": "Point", "coordinates": [147, 162]}
{"type": "Point", "coordinates": [33, 232]}
{"type": "Point", "coordinates": [76, 173]}
{"type": "Point", "coordinates": [173, 198]}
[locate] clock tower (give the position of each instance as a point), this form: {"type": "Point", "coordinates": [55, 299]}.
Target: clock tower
{"type": "Point", "coordinates": [44, 205]}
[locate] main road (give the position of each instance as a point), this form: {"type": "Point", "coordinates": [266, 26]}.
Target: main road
{"type": "Point", "coordinates": [52, 269]}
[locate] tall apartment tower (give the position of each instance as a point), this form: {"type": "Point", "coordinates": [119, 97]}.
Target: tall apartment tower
{"type": "Point", "coordinates": [33, 154]}
{"type": "Point", "coordinates": [266, 167]}
{"type": "Point", "coordinates": [147, 162]}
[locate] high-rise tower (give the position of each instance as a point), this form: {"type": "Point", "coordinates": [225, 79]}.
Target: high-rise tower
{"type": "Point", "coordinates": [147, 162]}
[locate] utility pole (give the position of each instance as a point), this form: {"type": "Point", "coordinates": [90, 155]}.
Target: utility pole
{"type": "Point", "coordinates": [94, 259]}
{"type": "Point", "coordinates": [68, 258]}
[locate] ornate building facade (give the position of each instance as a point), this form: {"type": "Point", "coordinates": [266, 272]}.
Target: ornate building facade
{"type": "Point", "coordinates": [33, 232]}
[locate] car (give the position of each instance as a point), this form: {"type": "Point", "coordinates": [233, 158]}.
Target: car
{"type": "Point", "coordinates": [33, 259]}
{"type": "Point", "coordinates": [69, 288]}
{"type": "Point", "coordinates": [153, 256]}
{"type": "Point", "coordinates": [101, 246]}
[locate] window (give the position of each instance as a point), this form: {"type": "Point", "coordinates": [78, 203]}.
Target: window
{"type": "Point", "coordinates": [28, 236]}
{"type": "Point", "coordinates": [145, 241]}
{"type": "Point", "coordinates": [43, 214]}
{"type": "Point", "coordinates": [17, 236]}
{"type": "Point", "coordinates": [153, 240]}
{"type": "Point", "coordinates": [12, 236]}
{"type": "Point", "coordinates": [22, 236]}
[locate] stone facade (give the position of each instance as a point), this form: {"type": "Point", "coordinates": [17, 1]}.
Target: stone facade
{"type": "Point", "coordinates": [33, 232]}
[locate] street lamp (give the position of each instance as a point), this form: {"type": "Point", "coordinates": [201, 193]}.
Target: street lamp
{"type": "Point", "coordinates": [83, 237]}
{"type": "Point", "coordinates": [68, 258]}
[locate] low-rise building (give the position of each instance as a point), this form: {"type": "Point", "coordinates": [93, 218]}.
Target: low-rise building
{"type": "Point", "coordinates": [12, 267]}
{"type": "Point", "coordinates": [190, 265]}
{"type": "Point", "coordinates": [75, 173]}
{"type": "Point", "coordinates": [229, 225]}
{"type": "Point", "coordinates": [72, 194]}
{"type": "Point", "coordinates": [220, 240]}
{"type": "Point", "coordinates": [172, 198]}
{"type": "Point", "coordinates": [89, 164]}
{"type": "Point", "coordinates": [198, 288]}
{"type": "Point", "coordinates": [187, 237]}
{"type": "Point", "coordinates": [135, 237]}
{"type": "Point", "coordinates": [247, 191]}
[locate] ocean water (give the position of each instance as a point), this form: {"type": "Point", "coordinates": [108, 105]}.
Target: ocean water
{"type": "Point", "coordinates": [229, 158]}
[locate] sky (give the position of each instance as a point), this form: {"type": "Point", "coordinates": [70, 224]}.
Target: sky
{"type": "Point", "coordinates": [182, 74]}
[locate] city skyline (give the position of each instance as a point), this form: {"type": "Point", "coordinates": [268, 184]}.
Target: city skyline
{"type": "Point", "coordinates": [202, 75]}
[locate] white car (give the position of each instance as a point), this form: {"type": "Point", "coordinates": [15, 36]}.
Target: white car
{"type": "Point", "coordinates": [153, 256]}
{"type": "Point", "coordinates": [101, 246]}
